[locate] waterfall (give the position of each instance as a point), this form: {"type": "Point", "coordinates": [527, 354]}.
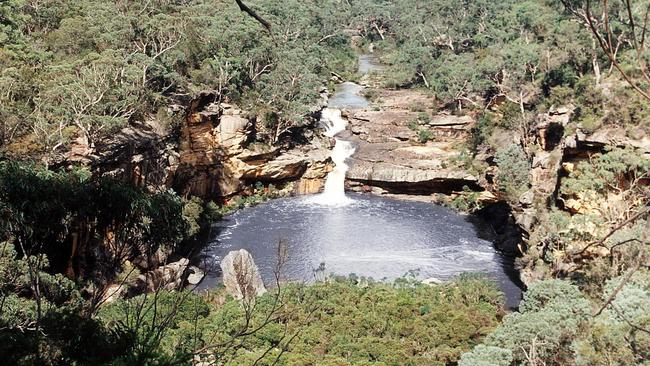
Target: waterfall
{"type": "Point", "coordinates": [334, 193]}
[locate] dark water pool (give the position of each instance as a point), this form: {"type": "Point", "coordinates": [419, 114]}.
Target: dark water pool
{"type": "Point", "coordinates": [373, 237]}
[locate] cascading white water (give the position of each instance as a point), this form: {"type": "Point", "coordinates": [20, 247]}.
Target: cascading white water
{"type": "Point", "coordinates": [334, 192]}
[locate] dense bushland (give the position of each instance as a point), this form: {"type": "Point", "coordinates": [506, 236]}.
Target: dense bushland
{"type": "Point", "coordinates": [338, 322]}
{"type": "Point", "coordinates": [86, 68]}
{"type": "Point", "coordinates": [87, 227]}
{"type": "Point", "coordinates": [557, 325]}
{"type": "Point", "coordinates": [76, 71]}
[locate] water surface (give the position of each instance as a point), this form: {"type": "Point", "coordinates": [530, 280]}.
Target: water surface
{"type": "Point", "coordinates": [372, 237]}
{"type": "Point", "coordinates": [348, 96]}
{"type": "Point", "coordinates": [368, 64]}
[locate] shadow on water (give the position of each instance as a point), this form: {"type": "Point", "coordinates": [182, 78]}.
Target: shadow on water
{"type": "Point", "coordinates": [495, 224]}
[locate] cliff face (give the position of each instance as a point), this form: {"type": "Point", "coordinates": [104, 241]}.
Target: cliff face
{"type": "Point", "coordinates": [214, 155]}
{"type": "Point", "coordinates": [210, 137]}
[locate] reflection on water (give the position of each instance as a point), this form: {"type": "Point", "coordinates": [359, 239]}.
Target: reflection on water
{"type": "Point", "coordinates": [368, 64]}
{"type": "Point", "coordinates": [348, 96]}
{"type": "Point", "coordinates": [373, 237]}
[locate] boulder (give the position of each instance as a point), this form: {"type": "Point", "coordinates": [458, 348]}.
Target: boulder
{"type": "Point", "coordinates": [432, 281]}
{"type": "Point", "coordinates": [113, 292]}
{"type": "Point", "coordinates": [195, 275]}
{"type": "Point", "coordinates": [241, 277]}
{"type": "Point", "coordinates": [169, 277]}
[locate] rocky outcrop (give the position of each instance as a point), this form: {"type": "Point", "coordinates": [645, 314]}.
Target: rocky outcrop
{"type": "Point", "coordinates": [219, 159]}
{"type": "Point", "coordinates": [550, 126]}
{"type": "Point", "coordinates": [195, 275]}
{"type": "Point", "coordinates": [403, 168]}
{"type": "Point", "coordinates": [169, 277]}
{"type": "Point", "coordinates": [546, 165]}
{"type": "Point", "coordinates": [144, 155]}
{"type": "Point", "coordinates": [451, 126]}
{"type": "Point", "coordinates": [609, 136]}
{"type": "Point", "coordinates": [290, 166]}
{"type": "Point", "coordinates": [241, 277]}
{"type": "Point", "coordinates": [211, 134]}
{"type": "Point", "coordinates": [214, 154]}
{"type": "Point", "coordinates": [390, 155]}
{"type": "Point", "coordinates": [313, 179]}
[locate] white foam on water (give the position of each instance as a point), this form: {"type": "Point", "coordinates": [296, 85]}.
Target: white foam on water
{"type": "Point", "coordinates": [482, 256]}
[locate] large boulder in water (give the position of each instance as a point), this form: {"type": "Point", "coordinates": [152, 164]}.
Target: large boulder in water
{"type": "Point", "coordinates": [241, 276]}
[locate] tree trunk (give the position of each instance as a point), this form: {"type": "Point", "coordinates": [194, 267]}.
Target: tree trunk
{"type": "Point", "coordinates": [381, 33]}
{"type": "Point", "coordinates": [424, 79]}
{"type": "Point", "coordinates": [597, 75]}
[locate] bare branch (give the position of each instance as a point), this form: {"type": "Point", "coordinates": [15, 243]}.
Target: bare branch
{"type": "Point", "coordinates": [618, 227]}
{"type": "Point", "coordinates": [253, 14]}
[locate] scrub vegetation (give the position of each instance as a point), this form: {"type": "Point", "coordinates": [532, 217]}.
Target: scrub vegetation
{"type": "Point", "coordinates": [75, 72]}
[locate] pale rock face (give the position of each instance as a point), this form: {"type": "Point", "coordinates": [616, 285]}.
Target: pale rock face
{"type": "Point", "coordinates": [217, 159]}
{"type": "Point", "coordinates": [168, 277]}
{"type": "Point", "coordinates": [614, 136]}
{"type": "Point", "coordinates": [307, 186]}
{"type": "Point", "coordinates": [241, 277]}
{"type": "Point", "coordinates": [432, 281]}
{"type": "Point", "coordinates": [287, 166]}
{"type": "Point", "coordinates": [313, 179]}
{"type": "Point", "coordinates": [450, 120]}
{"type": "Point", "coordinates": [231, 132]}
{"type": "Point", "coordinates": [420, 168]}
{"type": "Point", "coordinates": [195, 276]}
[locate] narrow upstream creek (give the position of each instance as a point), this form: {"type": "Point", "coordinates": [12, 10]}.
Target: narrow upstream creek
{"type": "Point", "coordinates": [343, 234]}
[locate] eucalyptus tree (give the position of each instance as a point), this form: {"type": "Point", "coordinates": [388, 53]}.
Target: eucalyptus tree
{"type": "Point", "coordinates": [619, 28]}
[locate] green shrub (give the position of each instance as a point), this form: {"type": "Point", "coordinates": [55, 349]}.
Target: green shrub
{"type": "Point", "coordinates": [514, 168]}
{"type": "Point", "coordinates": [590, 104]}
{"type": "Point", "coordinates": [45, 210]}
{"type": "Point", "coordinates": [425, 135]}
{"type": "Point", "coordinates": [619, 334]}
{"type": "Point", "coordinates": [359, 321]}
{"type": "Point", "coordinates": [606, 171]}
{"type": "Point", "coordinates": [481, 131]}
{"type": "Point", "coordinates": [511, 116]}
{"type": "Point", "coordinates": [414, 125]}
{"type": "Point", "coordinates": [550, 317]}
{"type": "Point", "coordinates": [467, 201]}
{"type": "Point", "coordinates": [57, 332]}
{"type": "Point", "coordinates": [417, 107]}
{"type": "Point", "coordinates": [424, 117]}
{"type": "Point", "coordinates": [559, 95]}
{"type": "Point", "coordinates": [484, 355]}
{"type": "Point", "coordinates": [158, 325]}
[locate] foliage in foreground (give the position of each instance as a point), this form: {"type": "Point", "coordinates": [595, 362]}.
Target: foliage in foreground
{"type": "Point", "coordinates": [86, 225]}
{"type": "Point", "coordinates": [556, 325]}
{"type": "Point", "coordinates": [338, 322]}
